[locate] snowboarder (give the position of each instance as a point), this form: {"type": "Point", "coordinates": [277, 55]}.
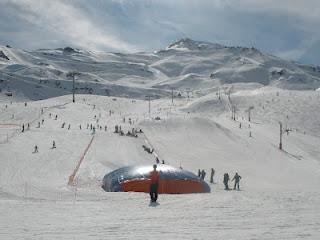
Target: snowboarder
{"type": "Point", "coordinates": [236, 179]}
{"type": "Point", "coordinates": [212, 174]}
{"type": "Point", "coordinates": [225, 181]}
{"type": "Point", "coordinates": [53, 144]}
{"type": "Point", "coordinates": [155, 178]}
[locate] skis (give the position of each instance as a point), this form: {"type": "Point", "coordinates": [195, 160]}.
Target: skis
{"type": "Point", "coordinates": [153, 204]}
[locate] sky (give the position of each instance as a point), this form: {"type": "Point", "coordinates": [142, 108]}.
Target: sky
{"type": "Point", "coordinates": [286, 28]}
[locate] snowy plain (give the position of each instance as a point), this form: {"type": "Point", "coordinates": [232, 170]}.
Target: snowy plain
{"type": "Point", "coordinates": [279, 195]}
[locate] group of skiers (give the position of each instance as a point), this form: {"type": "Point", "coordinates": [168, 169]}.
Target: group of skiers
{"type": "Point", "coordinates": [226, 178]}
{"type": "Point", "coordinates": [236, 180]}
{"type": "Point", "coordinates": [202, 174]}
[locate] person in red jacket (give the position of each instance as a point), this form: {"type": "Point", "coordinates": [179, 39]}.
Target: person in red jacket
{"type": "Point", "coordinates": [154, 177]}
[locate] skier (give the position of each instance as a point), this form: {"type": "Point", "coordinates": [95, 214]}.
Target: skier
{"type": "Point", "coordinates": [105, 128]}
{"type": "Point", "coordinates": [225, 181]}
{"type": "Point", "coordinates": [42, 121]}
{"type": "Point", "coordinates": [203, 174]}
{"type": "Point", "coordinates": [69, 127]}
{"type": "Point", "coordinates": [212, 174]}
{"type": "Point", "coordinates": [53, 144]}
{"type": "Point", "coordinates": [35, 149]}
{"type": "Point", "coordinates": [154, 177]}
{"type": "Point", "coordinates": [236, 179]}
{"type": "Point", "coordinates": [38, 124]}
{"type": "Point", "coordinates": [22, 128]}
{"type": "Point", "coordinates": [157, 160]}
{"type": "Point", "coordinates": [28, 126]}
{"type": "Point", "coordinates": [56, 117]}
{"type": "Point", "coordinates": [199, 173]}
{"type": "Point", "coordinates": [80, 126]}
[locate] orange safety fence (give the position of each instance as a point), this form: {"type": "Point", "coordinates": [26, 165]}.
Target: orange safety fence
{"type": "Point", "coordinates": [72, 176]}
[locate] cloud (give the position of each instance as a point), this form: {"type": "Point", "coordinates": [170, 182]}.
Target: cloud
{"type": "Point", "coordinates": [284, 27]}
{"type": "Point", "coordinates": [308, 10]}
{"type": "Point", "coordinates": [66, 21]}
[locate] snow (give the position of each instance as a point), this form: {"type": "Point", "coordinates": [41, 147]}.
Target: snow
{"type": "Point", "coordinates": [279, 196]}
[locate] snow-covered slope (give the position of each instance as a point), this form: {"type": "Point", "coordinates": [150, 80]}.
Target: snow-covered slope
{"type": "Point", "coordinates": [278, 188]}
{"type": "Point", "coordinates": [279, 197]}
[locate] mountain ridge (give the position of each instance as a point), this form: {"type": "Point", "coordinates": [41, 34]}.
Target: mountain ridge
{"type": "Point", "coordinates": [183, 64]}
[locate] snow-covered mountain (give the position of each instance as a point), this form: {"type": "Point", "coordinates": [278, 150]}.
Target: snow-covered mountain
{"type": "Point", "coordinates": [185, 64]}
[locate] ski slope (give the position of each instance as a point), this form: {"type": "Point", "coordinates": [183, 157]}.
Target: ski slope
{"type": "Point", "coordinates": [279, 197]}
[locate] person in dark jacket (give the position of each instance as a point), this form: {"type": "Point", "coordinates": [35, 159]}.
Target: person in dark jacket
{"type": "Point", "coordinates": [155, 178]}
{"type": "Point", "coordinates": [226, 179]}
{"type": "Point", "coordinates": [236, 180]}
{"type": "Point", "coordinates": [212, 174]}
{"type": "Point", "coordinates": [203, 174]}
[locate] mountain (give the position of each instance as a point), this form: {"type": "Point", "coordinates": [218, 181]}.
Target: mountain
{"type": "Point", "coordinates": [195, 65]}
